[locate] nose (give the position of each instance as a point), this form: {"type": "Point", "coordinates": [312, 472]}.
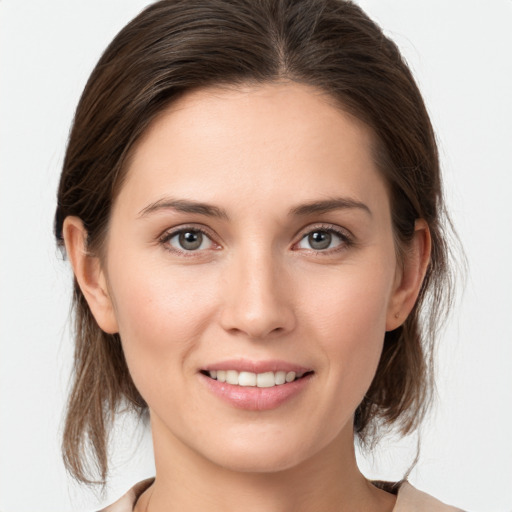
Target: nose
{"type": "Point", "coordinates": [258, 297]}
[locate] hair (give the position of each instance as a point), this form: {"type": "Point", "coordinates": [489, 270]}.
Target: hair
{"type": "Point", "coordinates": [176, 46]}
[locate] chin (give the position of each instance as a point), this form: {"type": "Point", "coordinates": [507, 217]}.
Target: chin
{"type": "Point", "coordinates": [264, 453]}
{"type": "Point", "coordinates": [249, 462]}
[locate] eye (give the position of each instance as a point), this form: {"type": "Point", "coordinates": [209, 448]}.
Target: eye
{"type": "Point", "coordinates": [187, 240]}
{"type": "Point", "coordinates": [322, 240]}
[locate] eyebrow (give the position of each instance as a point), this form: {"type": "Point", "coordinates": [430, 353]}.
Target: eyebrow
{"type": "Point", "coordinates": [337, 203]}
{"type": "Point", "coordinates": [190, 206]}
{"type": "Point", "coordinates": [185, 206]}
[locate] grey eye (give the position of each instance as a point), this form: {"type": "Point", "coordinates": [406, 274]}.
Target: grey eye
{"type": "Point", "coordinates": [190, 240]}
{"type": "Point", "coordinates": [320, 240]}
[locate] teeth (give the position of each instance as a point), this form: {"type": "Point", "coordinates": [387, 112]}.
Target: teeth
{"type": "Point", "coordinates": [260, 380]}
{"type": "Point", "coordinates": [247, 379]}
{"type": "Point", "coordinates": [280, 378]}
{"type": "Point", "coordinates": [232, 377]}
{"type": "Point", "coordinates": [265, 380]}
{"type": "Point", "coordinates": [290, 376]}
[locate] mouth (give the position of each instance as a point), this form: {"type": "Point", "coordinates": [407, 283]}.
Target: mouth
{"type": "Point", "coordinates": [257, 385]}
{"type": "Point", "coordinates": [268, 379]}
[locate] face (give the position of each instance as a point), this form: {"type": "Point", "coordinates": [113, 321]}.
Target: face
{"type": "Point", "coordinates": [252, 241]}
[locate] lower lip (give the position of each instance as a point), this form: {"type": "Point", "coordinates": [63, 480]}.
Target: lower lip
{"type": "Point", "coordinates": [254, 398]}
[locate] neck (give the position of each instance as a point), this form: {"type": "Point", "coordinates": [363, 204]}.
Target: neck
{"type": "Point", "coordinates": [328, 481]}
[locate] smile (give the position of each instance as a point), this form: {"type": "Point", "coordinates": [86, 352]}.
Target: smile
{"type": "Point", "coordinates": [250, 379]}
{"type": "Point", "coordinates": [256, 385]}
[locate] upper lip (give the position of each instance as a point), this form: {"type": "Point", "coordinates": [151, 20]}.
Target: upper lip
{"type": "Point", "coordinates": [246, 365]}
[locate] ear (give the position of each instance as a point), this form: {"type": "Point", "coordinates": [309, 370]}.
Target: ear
{"type": "Point", "coordinates": [409, 276]}
{"type": "Point", "coordinates": [89, 274]}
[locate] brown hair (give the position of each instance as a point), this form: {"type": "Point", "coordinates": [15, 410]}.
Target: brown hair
{"type": "Point", "coordinates": [175, 46]}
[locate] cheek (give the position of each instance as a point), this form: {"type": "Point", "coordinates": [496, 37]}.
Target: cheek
{"type": "Point", "coordinates": [351, 321]}
{"type": "Point", "coordinates": [160, 315]}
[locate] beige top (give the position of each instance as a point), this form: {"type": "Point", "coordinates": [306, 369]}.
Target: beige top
{"type": "Point", "coordinates": [408, 499]}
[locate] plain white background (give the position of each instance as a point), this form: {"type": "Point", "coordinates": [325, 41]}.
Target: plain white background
{"type": "Point", "coordinates": [460, 52]}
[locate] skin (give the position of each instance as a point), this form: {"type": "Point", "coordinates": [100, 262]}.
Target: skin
{"type": "Point", "coordinates": [255, 289]}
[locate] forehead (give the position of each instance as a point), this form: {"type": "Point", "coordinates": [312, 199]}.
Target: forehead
{"type": "Point", "coordinates": [273, 140]}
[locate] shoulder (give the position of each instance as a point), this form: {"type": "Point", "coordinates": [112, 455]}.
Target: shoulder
{"type": "Point", "coordinates": [410, 499]}
{"type": "Point", "coordinates": [127, 502]}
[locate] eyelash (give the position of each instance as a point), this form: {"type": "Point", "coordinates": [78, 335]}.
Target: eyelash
{"type": "Point", "coordinates": [169, 235]}
{"type": "Point", "coordinates": [346, 239]}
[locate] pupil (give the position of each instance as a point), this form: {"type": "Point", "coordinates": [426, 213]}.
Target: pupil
{"type": "Point", "coordinates": [320, 239]}
{"type": "Point", "coordinates": [191, 240]}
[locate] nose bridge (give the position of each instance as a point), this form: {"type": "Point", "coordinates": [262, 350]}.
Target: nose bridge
{"type": "Point", "coordinates": [258, 301]}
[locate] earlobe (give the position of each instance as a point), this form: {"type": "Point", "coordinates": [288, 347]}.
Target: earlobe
{"type": "Point", "coordinates": [410, 279]}
{"type": "Point", "coordinates": [89, 274]}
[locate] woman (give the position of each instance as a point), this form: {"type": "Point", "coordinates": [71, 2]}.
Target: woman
{"type": "Point", "coordinates": [252, 207]}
